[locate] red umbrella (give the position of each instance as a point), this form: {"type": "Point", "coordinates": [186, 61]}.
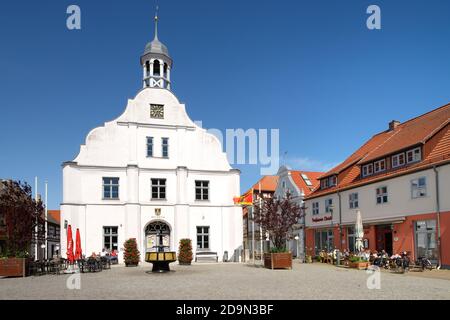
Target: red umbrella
{"type": "Point", "coordinates": [69, 244]}
{"type": "Point", "coordinates": [78, 251]}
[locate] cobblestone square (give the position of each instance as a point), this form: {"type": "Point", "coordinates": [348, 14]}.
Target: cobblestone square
{"type": "Point", "coordinates": [232, 281]}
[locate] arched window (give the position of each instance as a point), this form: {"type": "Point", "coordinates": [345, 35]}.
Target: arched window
{"type": "Point", "coordinates": [156, 68]}
{"type": "Point", "coordinates": [147, 67]}
{"type": "Point", "coordinates": [165, 70]}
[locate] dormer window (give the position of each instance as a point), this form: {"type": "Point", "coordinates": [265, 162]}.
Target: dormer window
{"type": "Point", "coordinates": [414, 155]}
{"type": "Point", "coordinates": [333, 181]}
{"type": "Point", "coordinates": [367, 170]}
{"type": "Point", "coordinates": [398, 160]}
{"type": "Point", "coordinates": [380, 166]}
{"type": "Point", "coordinates": [324, 183]}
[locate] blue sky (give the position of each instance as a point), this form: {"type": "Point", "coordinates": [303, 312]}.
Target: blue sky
{"type": "Point", "coordinates": [309, 68]}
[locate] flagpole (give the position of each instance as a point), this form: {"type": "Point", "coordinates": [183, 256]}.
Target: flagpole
{"type": "Point", "coordinates": [260, 227]}
{"type": "Point", "coordinates": [46, 220]}
{"type": "Point", "coordinates": [253, 229]}
{"type": "Point", "coordinates": [37, 219]}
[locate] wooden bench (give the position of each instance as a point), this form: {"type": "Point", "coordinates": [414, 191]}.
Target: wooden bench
{"type": "Point", "coordinates": [206, 256]}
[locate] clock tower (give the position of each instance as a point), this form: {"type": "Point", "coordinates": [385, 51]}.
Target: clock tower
{"type": "Point", "coordinates": [156, 63]}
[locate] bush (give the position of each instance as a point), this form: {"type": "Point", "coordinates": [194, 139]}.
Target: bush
{"type": "Point", "coordinates": [356, 259]}
{"type": "Point", "coordinates": [278, 250]}
{"type": "Point", "coordinates": [131, 254]}
{"type": "Point", "coordinates": [185, 255]}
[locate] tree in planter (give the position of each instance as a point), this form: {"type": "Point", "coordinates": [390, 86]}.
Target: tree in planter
{"type": "Point", "coordinates": [185, 251]}
{"type": "Point", "coordinates": [277, 217]}
{"type": "Point", "coordinates": [22, 215]}
{"type": "Point", "coordinates": [131, 254]}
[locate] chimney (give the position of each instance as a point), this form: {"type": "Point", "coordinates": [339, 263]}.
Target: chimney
{"type": "Point", "coordinates": [393, 124]}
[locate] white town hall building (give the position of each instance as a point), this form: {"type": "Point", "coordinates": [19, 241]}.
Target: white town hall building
{"type": "Point", "coordinates": [152, 174]}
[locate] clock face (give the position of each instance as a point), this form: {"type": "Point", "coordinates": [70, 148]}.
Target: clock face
{"type": "Point", "coordinates": [157, 111]}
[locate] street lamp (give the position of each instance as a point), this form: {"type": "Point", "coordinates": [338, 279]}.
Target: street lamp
{"type": "Point", "coordinates": [296, 239]}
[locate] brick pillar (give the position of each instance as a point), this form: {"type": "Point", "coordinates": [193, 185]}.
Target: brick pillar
{"type": "Point", "coordinates": [371, 236]}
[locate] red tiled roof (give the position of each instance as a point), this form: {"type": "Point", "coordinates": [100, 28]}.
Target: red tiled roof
{"type": "Point", "coordinates": [410, 133]}
{"type": "Point", "coordinates": [54, 215]}
{"type": "Point", "coordinates": [372, 143]}
{"type": "Point", "coordinates": [432, 130]}
{"type": "Point", "coordinates": [300, 182]}
{"type": "Point", "coordinates": [268, 183]}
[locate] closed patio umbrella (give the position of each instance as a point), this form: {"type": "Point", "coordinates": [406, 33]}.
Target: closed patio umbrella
{"type": "Point", "coordinates": [70, 256]}
{"type": "Point", "coordinates": [78, 251]}
{"type": "Point", "coordinates": [359, 232]}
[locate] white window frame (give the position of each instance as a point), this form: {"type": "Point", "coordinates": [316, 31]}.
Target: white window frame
{"type": "Point", "coordinates": [381, 195]}
{"type": "Point", "coordinates": [306, 179]}
{"type": "Point", "coordinates": [205, 235]}
{"type": "Point", "coordinates": [379, 162]}
{"type": "Point", "coordinates": [315, 208]}
{"type": "Point", "coordinates": [202, 190]}
{"type": "Point", "coordinates": [159, 184]}
{"type": "Point", "coordinates": [414, 153]}
{"type": "Point", "coordinates": [108, 182]}
{"type": "Point", "coordinates": [396, 158]}
{"type": "Point", "coordinates": [150, 147]}
{"type": "Point", "coordinates": [365, 170]}
{"type": "Point", "coordinates": [110, 235]}
{"type": "Point", "coordinates": [333, 181]}
{"type": "Point", "coordinates": [165, 147]}
{"type": "Point", "coordinates": [353, 200]}
{"type": "Point", "coordinates": [418, 190]}
{"type": "Point", "coordinates": [328, 203]}
{"type": "Point", "coordinates": [324, 183]}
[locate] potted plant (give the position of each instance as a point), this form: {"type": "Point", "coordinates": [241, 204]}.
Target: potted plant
{"type": "Point", "coordinates": [309, 255]}
{"type": "Point", "coordinates": [277, 217]}
{"type": "Point", "coordinates": [358, 263]}
{"type": "Point", "coordinates": [21, 216]}
{"type": "Point", "coordinates": [185, 254]}
{"type": "Point", "coordinates": [131, 254]}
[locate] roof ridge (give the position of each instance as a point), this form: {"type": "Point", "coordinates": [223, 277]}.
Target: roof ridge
{"type": "Point", "coordinates": [425, 114]}
{"type": "Point", "coordinates": [379, 146]}
{"type": "Point", "coordinates": [432, 133]}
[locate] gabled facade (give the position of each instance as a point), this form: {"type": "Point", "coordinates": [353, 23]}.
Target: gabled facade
{"type": "Point", "coordinates": [299, 184]}
{"type": "Point", "coordinates": [152, 174]}
{"type": "Point", "coordinates": [398, 180]}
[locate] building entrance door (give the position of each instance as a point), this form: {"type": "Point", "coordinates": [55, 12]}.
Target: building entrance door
{"type": "Point", "coordinates": [384, 238]}
{"type": "Point", "coordinates": [157, 236]}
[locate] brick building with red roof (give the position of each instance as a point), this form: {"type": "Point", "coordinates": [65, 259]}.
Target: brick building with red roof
{"type": "Point", "coordinates": [398, 180]}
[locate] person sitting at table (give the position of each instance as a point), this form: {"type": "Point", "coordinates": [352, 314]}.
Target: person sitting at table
{"type": "Point", "coordinates": [103, 253]}
{"type": "Point", "coordinates": [114, 258]}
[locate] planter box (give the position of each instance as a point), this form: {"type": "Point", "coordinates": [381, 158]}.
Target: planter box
{"type": "Point", "coordinates": [278, 260]}
{"type": "Point", "coordinates": [184, 263]}
{"type": "Point", "coordinates": [131, 265]}
{"type": "Point", "coordinates": [14, 267]}
{"type": "Point", "coordinates": [358, 265]}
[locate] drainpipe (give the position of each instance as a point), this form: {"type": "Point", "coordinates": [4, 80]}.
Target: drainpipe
{"type": "Point", "coordinates": [340, 221]}
{"type": "Point", "coordinates": [438, 213]}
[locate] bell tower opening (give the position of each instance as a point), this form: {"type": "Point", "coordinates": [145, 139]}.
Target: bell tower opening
{"type": "Point", "coordinates": [156, 63]}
